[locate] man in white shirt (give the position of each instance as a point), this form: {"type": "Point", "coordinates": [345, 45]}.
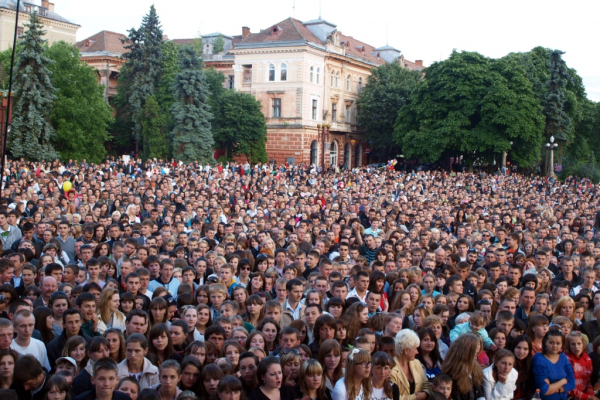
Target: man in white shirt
{"type": "Point", "coordinates": [24, 344]}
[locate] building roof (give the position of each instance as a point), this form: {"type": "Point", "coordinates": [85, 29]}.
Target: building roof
{"type": "Point", "coordinates": [12, 5]}
{"type": "Point", "coordinates": [288, 30]}
{"type": "Point", "coordinates": [105, 41]}
{"type": "Point", "coordinates": [356, 48]}
{"type": "Point", "coordinates": [413, 66]}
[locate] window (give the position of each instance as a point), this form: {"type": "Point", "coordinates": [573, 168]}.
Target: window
{"type": "Point", "coordinates": [283, 72]}
{"type": "Point", "coordinates": [231, 82]}
{"type": "Point", "coordinates": [347, 114]}
{"type": "Point", "coordinates": [318, 73]}
{"type": "Point", "coordinates": [314, 109]}
{"type": "Point", "coordinates": [359, 84]}
{"type": "Point", "coordinates": [20, 32]}
{"type": "Point", "coordinates": [276, 108]}
{"type": "Point", "coordinates": [312, 71]}
{"type": "Point", "coordinates": [314, 149]}
{"type": "Point", "coordinates": [333, 153]}
{"type": "Point", "coordinates": [271, 73]}
{"type": "Point", "coordinates": [332, 78]}
{"type": "Point", "coordinates": [333, 112]}
{"type": "Point", "coordinates": [337, 80]}
{"type": "Point", "coordinates": [348, 83]}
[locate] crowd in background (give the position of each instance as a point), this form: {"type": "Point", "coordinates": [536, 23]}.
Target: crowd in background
{"type": "Point", "coordinates": [171, 281]}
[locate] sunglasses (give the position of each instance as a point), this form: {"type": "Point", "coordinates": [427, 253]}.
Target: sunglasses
{"type": "Point", "coordinates": [294, 351]}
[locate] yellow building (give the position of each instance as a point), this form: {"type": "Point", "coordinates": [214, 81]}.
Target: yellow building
{"type": "Point", "coordinates": [308, 77]}
{"type": "Point", "coordinates": [57, 28]}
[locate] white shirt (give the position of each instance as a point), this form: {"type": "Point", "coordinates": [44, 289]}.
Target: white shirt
{"type": "Point", "coordinates": [340, 392]}
{"type": "Point", "coordinates": [36, 348]}
{"type": "Point", "coordinates": [354, 294]}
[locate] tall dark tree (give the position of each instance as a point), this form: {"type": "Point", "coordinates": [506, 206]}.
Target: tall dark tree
{"type": "Point", "coordinates": [192, 136]}
{"type": "Point", "coordinates": [141, 73]}
{"type": "Point", "coordinates": [32, 133]}
{"type": "Point", "coordinates": [387, 91]}
{"type": "Point", "coordinates": [558, 122]}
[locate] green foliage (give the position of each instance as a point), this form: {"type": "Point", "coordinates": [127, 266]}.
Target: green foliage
{"type": "Point", "coordinates": [214, 80]}
{"type": "Point", "coordinates": [219, 45]}
{"type": "Point", "coordinates": [192, 136]}
{"type": "Point", "coordinates": [557, 120]}
{"type": "Point", "coordinates": [581, 168]}
{"type": "Point", "coordinates": [80, 115]}
{"type": "Point", "coordinates": [387, 91]}
{"type": "Point", "coordinates": [239, 126]}
{"type": "Point", "coordinates": [32, 133]}
{"type": "Point", "coordinates": [154, 123]}
{"type": "Point", "coordinates": [473, 106]}
{"type": "Point", "coordinates": [142, 71]}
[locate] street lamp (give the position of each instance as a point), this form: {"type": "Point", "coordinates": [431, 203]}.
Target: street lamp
{"type": "Point", "coordinates": [8, 110]}
{"type": "Point", "coordinates": [551, 146]}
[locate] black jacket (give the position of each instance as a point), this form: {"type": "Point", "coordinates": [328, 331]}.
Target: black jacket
{"type": "Point", "coordinates": [27, 394]}
{"type": "Point", "coordinates": [55, 347]}
{"type": "Point", "coordinates": [82, 383]}
{"type": "Point", "coordinates": [91, 395]}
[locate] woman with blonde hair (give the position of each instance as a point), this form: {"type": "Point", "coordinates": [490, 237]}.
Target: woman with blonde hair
{"type": "Point", "coordinates": [462, 366]}
{"type": "Point", "coordinates": [309, 385]}
{"type": "Point", "coordinates": [565, 307]}
{"type": "Point", "coordinates": [108, 312]}
{"type": "Point", "coordinates": [408, 373]}
{"type": "Point", "coordinates": [357, 382]}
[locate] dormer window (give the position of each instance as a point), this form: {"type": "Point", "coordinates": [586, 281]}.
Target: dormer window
{"type": "Point", "coordinates": [28, 9]}
{"type": "Point", "coordinates": [275, 31]}
{"type": "Point", "coordinates": [42, 12]}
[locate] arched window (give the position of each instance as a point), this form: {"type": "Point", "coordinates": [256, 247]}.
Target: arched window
{"type": "Point", "coordinates": [347, 154]}
{"type": "Point", "coordinates": [332, 78]}
{"type": "Point", "coordinates": [271, 72]}
{"type": "Point", "coordinates": [359, 84]}
{"type": "Point", "coordinates": [314, 150]}
{"type": "Point", "coordinates": [337, 80]}
{"type": "Point", "coordinates": [312, 71]}
{"type": "Point", "coordinates": [283, 72]}
{"type": "Point", "coordinates": [348, 83]}
{"type": "Point", "coordinates": [318, 73]}
{"type": "Point", "coordinates": [333, 154]}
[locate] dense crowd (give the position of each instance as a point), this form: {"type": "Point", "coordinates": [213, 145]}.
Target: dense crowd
{"type": "Point", "coordinates": [170, 281]}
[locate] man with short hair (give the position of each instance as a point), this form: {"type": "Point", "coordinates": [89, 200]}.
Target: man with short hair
{"type": "Point", "coordinates": [67, 243]}
{"type": "Point", "coordinates": [29, 378]}
{"type": "Point", "coordinates": [86, 304]}
{"type": "Point", "coordinates": [526, 302]}
{"type": "Point", "coordinates": [48, 286]}
{"type": "Point", "coordinates": [360, 290]}
{"type": "Point", "coordinates": [6, 333]}
{"type": "Point", "coordinates": [71, 327]}
{"type": "Point", "coordinates": [8, 234]}
{"type": "Point", "coordinates": [23, 343]}
{"type": "Point", "coordinates": [136, 322]}
{"type": "Point", "coordinates": [166, 279]}
{"type": "Point", "coordinates": [7, 269]}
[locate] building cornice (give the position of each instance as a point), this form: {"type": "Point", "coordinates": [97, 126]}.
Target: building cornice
{"type": "Point", "coordinates": [46, 20]}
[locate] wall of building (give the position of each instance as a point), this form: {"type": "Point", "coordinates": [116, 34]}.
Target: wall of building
{"type": "Point", "coordinates": [55, 31]}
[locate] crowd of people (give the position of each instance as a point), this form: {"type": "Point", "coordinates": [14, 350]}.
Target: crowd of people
{"type": "Point", "coordinates": [169, 281]}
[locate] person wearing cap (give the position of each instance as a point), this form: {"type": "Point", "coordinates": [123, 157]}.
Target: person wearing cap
{"type": "Point", "coordinates": [66, 364]}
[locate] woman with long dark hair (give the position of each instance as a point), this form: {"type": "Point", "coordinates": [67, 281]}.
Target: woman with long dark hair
{"type": "Point", "coordinates": [429, 354]}
{"type": "Point", "coordinates": [44, 321]}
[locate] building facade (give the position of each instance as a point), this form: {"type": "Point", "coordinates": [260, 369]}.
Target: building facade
{"type": "Point", "coordinates": [308, 77]}
{"type": "Point", "coordinates": [57, 28]}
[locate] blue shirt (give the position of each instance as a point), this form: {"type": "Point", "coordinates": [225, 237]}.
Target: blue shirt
{"type": "Point", "coordinates": [543, 369]}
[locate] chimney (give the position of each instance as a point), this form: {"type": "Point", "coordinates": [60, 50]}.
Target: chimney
{"type": "Point", "coordinates": [45, 3]}
{"type": "Point", "coordinates": [419, 62]}
{"type": "Point", "coordinates": [245, 32]}
{"type": "Point", "coordinates": [50, 7]}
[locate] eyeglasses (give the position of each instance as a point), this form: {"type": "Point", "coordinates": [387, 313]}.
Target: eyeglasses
{"type": "Point", "coordinates": [484, 301]}
{"type": "Point", "coordinates": [365, 364]}
{"type": "Point", "coordinates": [294, 351]}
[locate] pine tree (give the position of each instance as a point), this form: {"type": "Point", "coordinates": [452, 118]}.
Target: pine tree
{"type": "Point", "coordinates": [192, 137]}
{"type": "Point", "coordinates": [142, 70]}
{"type": "Point", "coordinates": [557, 120]}
{"type": "Point", "coordinates": [31, 131]}
{"type": "Point", "coordinates": [154, 125]}
{"type": "Point", "coordinates": [219, 45]}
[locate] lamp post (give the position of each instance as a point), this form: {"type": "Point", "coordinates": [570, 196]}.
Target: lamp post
{"type": "Point", "coordinates": [324, 136]}
{"type": "Point", "coordinates": [8, 110]}
{"type": "Point", "coordinates": [551, 146]}
{"type": "Point", "coordinates": [504, 159]}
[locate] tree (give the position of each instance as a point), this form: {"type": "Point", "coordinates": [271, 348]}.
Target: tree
{"type": "Point", "coordinates": [141, 72]}
{"type": "Point", "coordinates": [154, 124]}
{"type": "Point", "coordinates": [192, 137]}
{"type": "Point", "coordinates": [31, 132]}
{"type": "Point", "coordinates": [558, 122]}
{"type": "Point", "coordinates": [239, 126]}
{"type": "Point", "coordinates": [219, 45]}
{"type": "Point", "coordinates": [81, 115]}
{"type": "Point", "coordinates": [387, 91]}
{"type": "Point", "coordinates": [472, 106]}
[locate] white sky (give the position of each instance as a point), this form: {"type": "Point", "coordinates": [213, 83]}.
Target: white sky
{"type": "Point", "coordinates": [426, 29]}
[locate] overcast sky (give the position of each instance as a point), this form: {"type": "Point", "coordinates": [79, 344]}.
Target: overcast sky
{"type": "Point", "coordinates": [425, 30]}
